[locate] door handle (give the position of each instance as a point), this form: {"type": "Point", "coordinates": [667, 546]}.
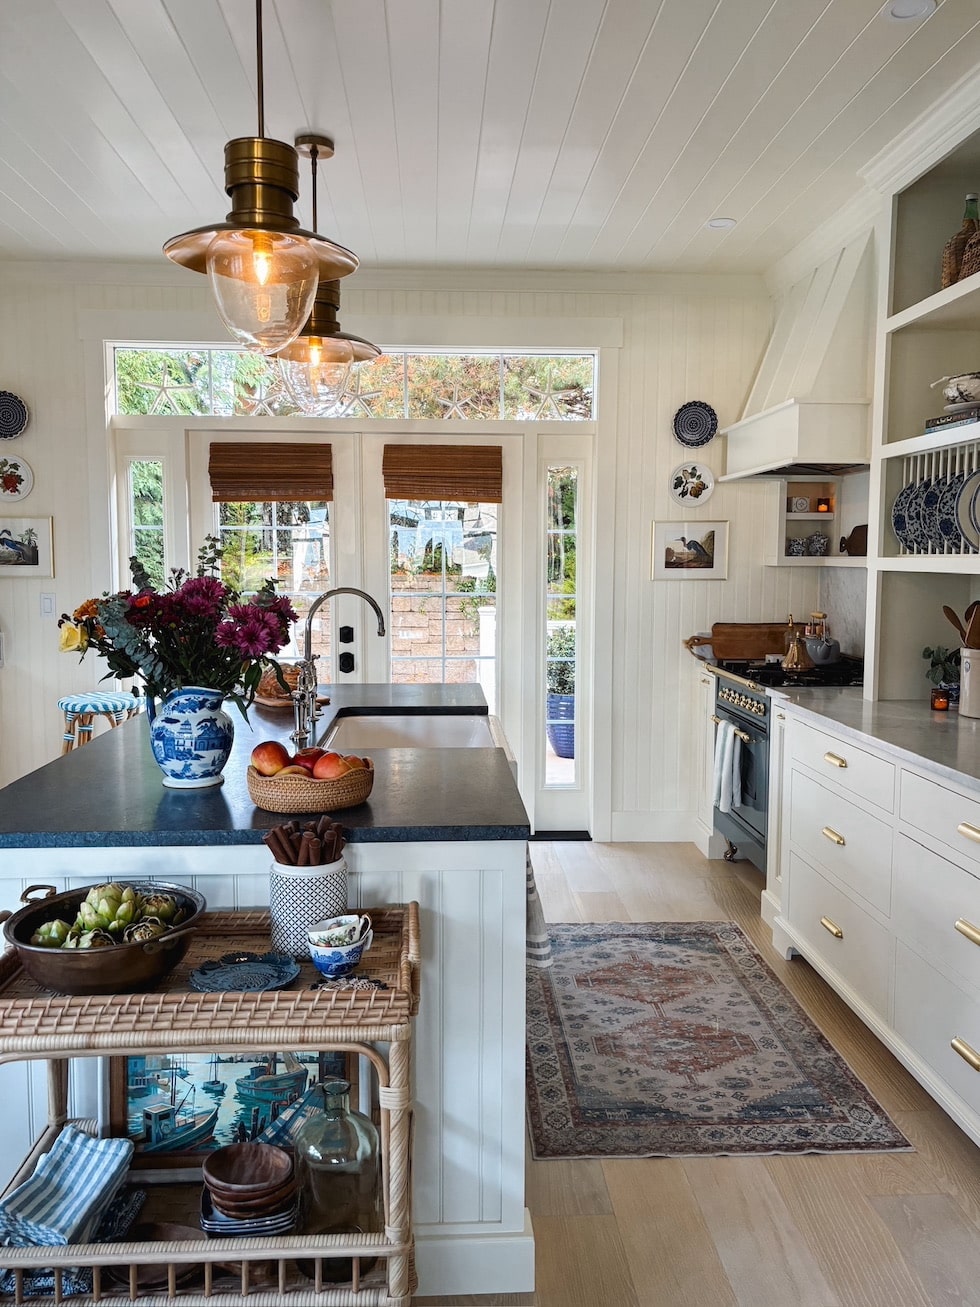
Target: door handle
{"type": "Point", "coordinates": [832, 926]}
{"type": "Point", "coordinates": [835, 760]}
{"type": "Point", "coordinates": [716, 719]}
{"type": "Point", "coordinates": [832, 835]}
{"type": "Point", "coordinates": [968, 929]}
{"type": "Point", "coordinates": [969, 1055]}
{"type": "Point", "coordinates": [970, 832]}
{"type": "Point", "coordinates": [743, 736]}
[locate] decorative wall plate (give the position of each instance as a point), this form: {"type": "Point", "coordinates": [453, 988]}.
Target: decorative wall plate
{"type": "Point", "coordinates": [695, 423]}
{"type": "Point", "coordinates": [14, 416]}
{"type": "Point", "coordinates": [692, 483]}
{"type": "Point", "coordinates": [16, 479]}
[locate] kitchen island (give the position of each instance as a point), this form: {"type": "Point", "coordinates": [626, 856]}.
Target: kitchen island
{"type": "Point", "coordinates": [444, 827]}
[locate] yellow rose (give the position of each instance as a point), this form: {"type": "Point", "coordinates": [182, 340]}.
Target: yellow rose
{"type": "Point", "coordinates": [73, 639]}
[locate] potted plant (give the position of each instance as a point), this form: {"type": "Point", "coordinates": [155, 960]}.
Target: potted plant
{"type": "Point", "coordinates": [560, 660]}
{"type": "Point", "coordinates": [944, 669]}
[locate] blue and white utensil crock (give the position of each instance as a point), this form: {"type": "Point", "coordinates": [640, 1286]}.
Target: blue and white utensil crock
{"type": "Point", "coordinates": [191, 736]}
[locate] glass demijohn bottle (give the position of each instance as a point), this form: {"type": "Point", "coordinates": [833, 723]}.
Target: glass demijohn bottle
{"type": "Point", "coordinates": [955, 247]}
{"type": "Point", "coordinates": [337, 1157]}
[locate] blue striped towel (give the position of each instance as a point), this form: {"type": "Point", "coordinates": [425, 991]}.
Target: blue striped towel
{"type": "Point", "coordinates": [71, 1187]}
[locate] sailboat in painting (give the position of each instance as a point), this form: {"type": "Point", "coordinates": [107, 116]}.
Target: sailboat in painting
{"type": "Point", "coordinates": [265, 1085]}
{"type": "Point", "coordinates": [214, 1084]}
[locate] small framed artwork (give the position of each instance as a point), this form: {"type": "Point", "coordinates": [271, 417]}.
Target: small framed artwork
{"type": "Point", "coordinates": [694, 551]}
{"type": "Point", "coordinates": [25, 546]}
{"type": "Point", "coordinates": [177, 1107]}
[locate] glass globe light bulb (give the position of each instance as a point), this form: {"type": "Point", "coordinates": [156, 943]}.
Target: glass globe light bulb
{"type": "Point", "coordinates": [317, 373]}
{"type": "Point", "coordinates": [264, 285]}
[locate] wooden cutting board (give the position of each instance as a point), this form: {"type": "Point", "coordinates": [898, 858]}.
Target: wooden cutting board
{"type": "Point", "coordinates": [749, 639]}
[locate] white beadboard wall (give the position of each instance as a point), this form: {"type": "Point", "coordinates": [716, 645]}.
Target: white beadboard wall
{"type": "Point", "coordinates": [683, 338]}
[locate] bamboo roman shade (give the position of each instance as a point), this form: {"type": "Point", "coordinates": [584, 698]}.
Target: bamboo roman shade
{"type": "Point", "coordinates": [472, 474]}
{"type": "Point", "coordinates": [263, 471]}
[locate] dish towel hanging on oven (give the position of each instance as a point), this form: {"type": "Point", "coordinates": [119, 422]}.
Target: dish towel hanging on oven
{"type": "Point", "coordinates": [728, 768]}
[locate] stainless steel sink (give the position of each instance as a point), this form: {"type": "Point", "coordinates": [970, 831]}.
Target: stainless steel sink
{"type": "Point", "coordinates": [355, 734]}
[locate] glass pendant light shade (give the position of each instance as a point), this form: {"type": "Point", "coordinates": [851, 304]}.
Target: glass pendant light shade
{"type": "Point", "coordinates": [264, 284]}
{"type": "Point", "coordinates": [316, 366]}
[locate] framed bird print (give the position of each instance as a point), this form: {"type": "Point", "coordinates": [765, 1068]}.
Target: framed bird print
{"type": "Point", "coordinates": [689, 551]}
{"type": "Point", "coordinates": [25, 546]}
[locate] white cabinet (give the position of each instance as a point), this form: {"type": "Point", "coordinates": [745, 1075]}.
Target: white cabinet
{"type": "Point", "coordinates": [879, 869]}
{"type": "Point", "coordinates": [710, 844]}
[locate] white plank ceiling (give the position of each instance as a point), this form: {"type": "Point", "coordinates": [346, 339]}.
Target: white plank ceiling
{"type": "Point", "coordinates": [548, 134]}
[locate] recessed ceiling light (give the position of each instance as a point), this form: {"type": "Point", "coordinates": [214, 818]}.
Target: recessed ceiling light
{"type": "Point", "coordinates": [721, 224]}
{"type": "Point", "coordinates": [905, 11]}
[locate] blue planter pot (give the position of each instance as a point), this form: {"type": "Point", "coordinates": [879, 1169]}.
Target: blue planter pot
{"type": "Point", "coordinates": [561, 724]}
{"type": "Point", "coordinates": [191, 736]}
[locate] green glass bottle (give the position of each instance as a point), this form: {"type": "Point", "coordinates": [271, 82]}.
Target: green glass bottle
{"type": "Point", "coordinates": [337, 1158]}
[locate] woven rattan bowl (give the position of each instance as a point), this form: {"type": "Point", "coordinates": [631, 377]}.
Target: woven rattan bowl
{"type": "Point", "coordinates": [294, 793]}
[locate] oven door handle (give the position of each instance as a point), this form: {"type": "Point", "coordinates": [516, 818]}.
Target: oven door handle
{"type": "Point", "coordinates": [744, 736]}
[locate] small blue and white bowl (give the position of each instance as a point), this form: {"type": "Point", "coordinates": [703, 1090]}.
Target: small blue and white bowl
{"type": "Point", "coordinates": [335, 960]}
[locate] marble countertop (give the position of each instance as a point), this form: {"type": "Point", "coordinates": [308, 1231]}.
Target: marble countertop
{"type": "Point", "coordinates": [943, 743]}
{"type": "Point", "coordinates": [109, 792]}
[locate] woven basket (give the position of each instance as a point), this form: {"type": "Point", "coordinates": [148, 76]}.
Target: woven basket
{"type": "Point", "coordinates": [953, 254]}
{"type": "Point", "coordinates": [970, 262]}
{"type": "Point", "coordinates": [294, 793]}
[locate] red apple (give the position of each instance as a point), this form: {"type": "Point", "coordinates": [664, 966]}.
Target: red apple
{"type": "Point", "coordinates": [294, 769]}
{"type": "Point", "coordinates": [269, 757]}
{"type": "Point", "coordinates": [354, 762]}
{"type": "Point", "coordinates": [330, 767]}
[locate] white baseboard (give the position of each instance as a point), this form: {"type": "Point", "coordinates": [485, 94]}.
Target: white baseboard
{"type": "Point", "coordinates": [769, 908]}
{"type": "Point", "coordinates": [654, 828]}
{"type": "Point", "coordinates": [452, 1264]}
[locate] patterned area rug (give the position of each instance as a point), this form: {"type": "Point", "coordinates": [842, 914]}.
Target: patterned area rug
{"type": "Point", "coordinates": [675, 1039]}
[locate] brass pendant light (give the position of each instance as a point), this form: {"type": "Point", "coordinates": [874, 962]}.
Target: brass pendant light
{"type": "Point", "coordinates": [316, 366]}
{"type": "Point", "coordinates": [262, 265]}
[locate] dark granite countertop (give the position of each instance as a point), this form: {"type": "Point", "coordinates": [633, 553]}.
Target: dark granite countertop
{"type": "Point", "coordinates": [109, 793]}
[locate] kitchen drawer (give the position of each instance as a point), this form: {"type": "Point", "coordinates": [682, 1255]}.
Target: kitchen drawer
{"type": "Point", "coordinates": [930, 894]}
{"type": "Point", "coordinates": [860, 954]}
{"type": "Point", "coordinates": [930, 1012]}
{"type": "Point", "coordinates": [942, 813]}
{"type": "Point", "coordinates": [853, 769]}
{"type": "Point", "coordinates": [843, 839]}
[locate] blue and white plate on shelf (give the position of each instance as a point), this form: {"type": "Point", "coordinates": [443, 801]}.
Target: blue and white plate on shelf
{"type": "Point", "coordinates": [949, 530]}
{"type": "Point", "coordinates": [966, 518]}
{"type": "Point", "coordinates": [929, 513]}
{"type": "Point", "coordinates": [900, 516]}
{"type": "Point", "coordinates": [915, 523]}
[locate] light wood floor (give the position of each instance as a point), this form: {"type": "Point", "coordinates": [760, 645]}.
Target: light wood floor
{"type": "Point", "coordinates": [884, 1230]}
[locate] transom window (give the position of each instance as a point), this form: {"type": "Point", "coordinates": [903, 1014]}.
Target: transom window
{"type": "Point", "coordinates": [472, 385]}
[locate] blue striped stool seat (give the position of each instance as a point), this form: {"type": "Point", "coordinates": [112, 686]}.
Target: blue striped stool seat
{"type": "Point", "coordinates": [81, 709]}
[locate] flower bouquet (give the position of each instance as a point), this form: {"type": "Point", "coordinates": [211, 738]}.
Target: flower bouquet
{"type": "Point", "coordinates": [195, 632]}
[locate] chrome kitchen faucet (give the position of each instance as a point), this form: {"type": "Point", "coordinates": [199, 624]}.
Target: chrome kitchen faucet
{"type": "Point", "coordinates": [304, 696]}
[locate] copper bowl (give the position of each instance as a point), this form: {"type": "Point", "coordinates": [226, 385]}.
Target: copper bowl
{"type": "Point", "coordinates": [120, 969]}
{"type": "Point", "coordinates": [245, 1171]}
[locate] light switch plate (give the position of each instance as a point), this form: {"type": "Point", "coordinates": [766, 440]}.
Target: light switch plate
{"type": "Point", "coordinates": [47, 606]}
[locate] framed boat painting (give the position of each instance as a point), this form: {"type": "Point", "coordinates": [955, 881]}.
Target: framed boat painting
{"type": "Point", "coordinates": [176, 1107]}
{"type": "Point", "coordinates": [689, 551]}
{"type": "Point", "coordinates": [25, 546]}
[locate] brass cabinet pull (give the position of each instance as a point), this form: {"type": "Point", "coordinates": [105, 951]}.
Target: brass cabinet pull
{"type": "Point", "coordinates": [969, 1055]}
{"type": "Point", "coordinates": [835, 760]}
{"type": "Point", "coordinates": [971, 832]}
{"type": "Point", "coordinates": [968, 929]}
{"type": "Point", "coordinates": [833, 836]}
{"type": "Point", "coordinates": [832, 926]}
{"type": "Point", "coordinates": [780, 716]}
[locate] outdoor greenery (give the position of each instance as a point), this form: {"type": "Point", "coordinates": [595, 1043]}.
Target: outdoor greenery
{"type": "Point", "coordinates": [561, 660]}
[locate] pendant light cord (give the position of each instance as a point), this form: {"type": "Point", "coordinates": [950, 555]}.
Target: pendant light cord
{"type": "Point", "coordinates": [260, 77]}
{"type": "Point", "coordinates": [313, 154]}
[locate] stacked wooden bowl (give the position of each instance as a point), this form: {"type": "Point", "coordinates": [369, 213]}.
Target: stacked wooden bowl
{"type": "Point", "coordinates": [250, 1182]}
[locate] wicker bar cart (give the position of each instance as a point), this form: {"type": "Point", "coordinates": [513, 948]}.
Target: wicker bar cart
{"type": "Point", "coordinates": [372, 1023]}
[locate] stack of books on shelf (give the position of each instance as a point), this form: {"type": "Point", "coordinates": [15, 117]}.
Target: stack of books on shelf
{"type": "Point", "coordinates": [948, 421]}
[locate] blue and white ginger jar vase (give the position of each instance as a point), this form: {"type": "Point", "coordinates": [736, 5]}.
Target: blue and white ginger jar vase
{"type": "Point", "coordinates": [191, 736]}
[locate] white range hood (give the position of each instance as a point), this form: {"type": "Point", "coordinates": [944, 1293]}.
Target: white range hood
{"type": "Point", "coordinates": [807, 412]}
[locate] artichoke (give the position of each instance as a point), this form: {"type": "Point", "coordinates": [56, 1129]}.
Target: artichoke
{"type": "Point", "coordinates": [162, 906]}
{"type": "Point", "coordinates": [95, 939]}
{"type": "Point", "coordinates": [51, 934]}
{"type": "Point", "coordinates": [141, 931]}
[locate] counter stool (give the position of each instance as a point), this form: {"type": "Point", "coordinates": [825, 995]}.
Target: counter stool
{"type": "Point", "coordinates": [80, 711]}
